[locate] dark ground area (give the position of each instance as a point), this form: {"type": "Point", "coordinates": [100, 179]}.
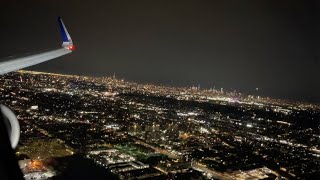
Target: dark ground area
{"type": "Point", "coordinates": [78, 167]}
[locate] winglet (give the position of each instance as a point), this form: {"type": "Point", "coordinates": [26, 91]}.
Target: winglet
{"type": "Point", "coordinates": [66, 39]}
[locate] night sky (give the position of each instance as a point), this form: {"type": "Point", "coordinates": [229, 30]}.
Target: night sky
{"type": "Point", "coordinates": [243, 45]}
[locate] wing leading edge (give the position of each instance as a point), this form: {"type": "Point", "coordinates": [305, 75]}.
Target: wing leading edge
{"type": "Point", "coordinates": [23, 62]}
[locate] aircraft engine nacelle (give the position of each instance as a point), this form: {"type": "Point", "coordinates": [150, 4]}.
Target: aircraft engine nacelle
{"type": "Point", "coordinates": [12, 125]}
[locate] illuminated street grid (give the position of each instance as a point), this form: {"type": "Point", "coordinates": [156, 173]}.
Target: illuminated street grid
{"type": "Point", "coordinates": [165, 132]}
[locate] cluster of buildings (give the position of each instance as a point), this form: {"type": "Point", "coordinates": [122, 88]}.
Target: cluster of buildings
{"type": "Point", "coordinates": [35, 169]}
{"type": "Point", "coordinates": [145, 131]}
{"type": "Point", "coordinates": [125, 166]}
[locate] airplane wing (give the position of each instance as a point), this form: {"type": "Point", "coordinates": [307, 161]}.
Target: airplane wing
{"type": "Point", "coordinates": [9, 124]}
{"type": "Point", "coordinates": [23, 62]}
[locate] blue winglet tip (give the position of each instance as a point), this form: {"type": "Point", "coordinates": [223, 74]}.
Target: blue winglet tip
{"type": "Point", "coordinates": [63, 30]}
